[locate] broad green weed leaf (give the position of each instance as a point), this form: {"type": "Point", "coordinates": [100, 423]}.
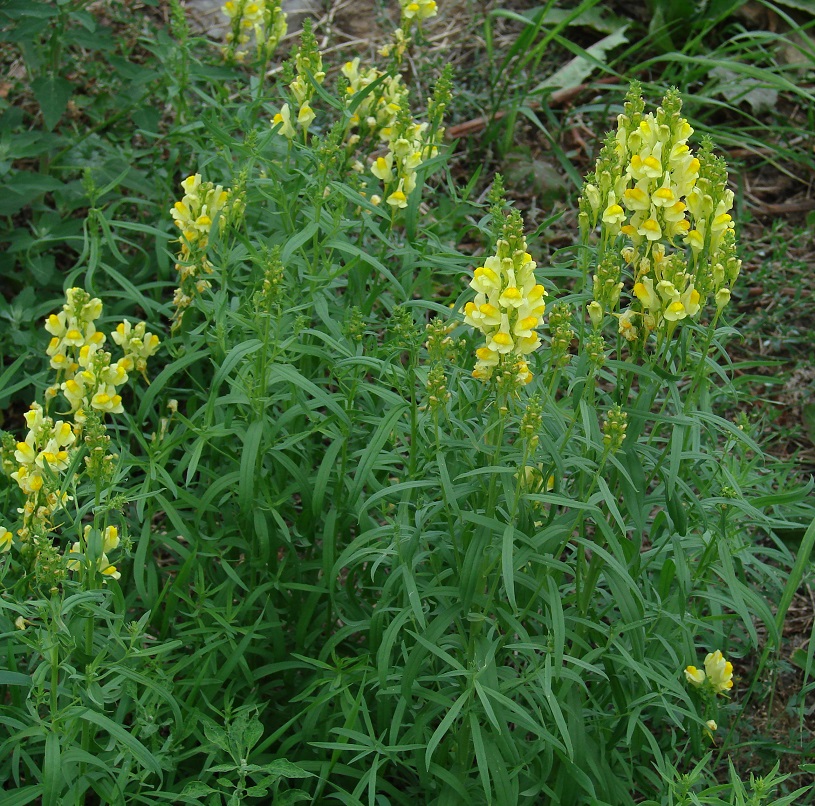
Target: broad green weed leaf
{"type": "Point", "coordinates": [52, 94]}
{"type": "Point", "coordinates": [582, 66]}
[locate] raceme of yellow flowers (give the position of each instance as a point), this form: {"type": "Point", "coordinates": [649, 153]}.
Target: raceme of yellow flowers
{"type": "Point", "coordinates": [308, 62]}
{"type": "Point", "coordinates": [195, 215]}
{"type": "Point", "coordinates": [664, 218]}
{"type": "Point", "coordinates": [381, 114]}
{"type": "Point", "coordinates": [89, 381]}
{"type": "Point", "coordinates": [266, 20]}
{"type": "Point", "coordinates": [508, 306]}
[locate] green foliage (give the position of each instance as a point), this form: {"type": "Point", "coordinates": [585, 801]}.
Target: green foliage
{"type": "Point", "coordinates": [351, 570]}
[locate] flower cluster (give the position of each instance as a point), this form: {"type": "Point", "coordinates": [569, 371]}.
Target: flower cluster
{"type": "Point", "coordinates": [410, 143]}
{"type": "Point", "coordinates": [308, 62]}
{"type": "Point", "coordinates": [375, 112]}
{"type": "Point", "coordinates": [202, 204]}
{"type": "Point", "coordinates": [44, 446]}
{"type": "Point", "coordinates": [89, 377]}
{"type": "Point", "coordinates": [508, 306]}
{"type": "Point", "coordinates": [717, 675]}
{"type": "Point", "coordinates": [265, 18]}
{"type": "Point", "coordinates": [664, 213]}
{"type": "Point", "coordinates": [89, 382]}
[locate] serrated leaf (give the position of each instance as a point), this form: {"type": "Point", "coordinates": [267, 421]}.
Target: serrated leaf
{"type": "Point", "coordinates": [580, 68]}
{"type": "Point", "coordinates": [253, 732]}
{"type": "Point", "coordinates": [736, 89]}
{"type": "Point", "coordinates": [222, 768]}
{"type": "Point", "coordinates": [52, 94]}
{"type": "Point", "coordinates": [217, 735]}
{"type": "Point", "coordinates": [282, 768]}
{"type": "Point", "coordinates": [292, 796]}
{"type": "Point", "coordinates": [197, 789]}
{"type": "Point", "coordinates": [257, 791]}
{"type": "Point", "coordinates": [800, 5]}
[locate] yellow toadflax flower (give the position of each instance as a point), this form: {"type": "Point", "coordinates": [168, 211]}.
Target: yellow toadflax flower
{"type": "Point", "coordinates": [508, 305]}
{"type": "Point", "coordinates": [666, 212]}
{"type": "Point", "coordinates": [694, 676]}
{"type": "Point", "coordinates": [719, 672]}
{"type": "Point", "coordinates": [417, 10]}
{"type": "Point", "coordinates": [195, 214]}
{"type": "Point", "coordinates": [717, 675]}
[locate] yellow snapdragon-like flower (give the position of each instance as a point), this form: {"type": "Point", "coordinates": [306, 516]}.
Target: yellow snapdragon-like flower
{"type": "Point", "coordinates": [73, 328]}
{"type": "Point", "coordinates": [666, 212]}
{"type": "Point", "coordinates": [201, 204]}
{"type": "Point", "coordinates": [47, 443]}
{"type": "Point", "coordinates": [717, 674]}
{"type": "Point", "coordinates": [418, 10]}
{"type": "Point", "coordinates": [283, 119]}
{"type": "Point", "coordinates": [137, 344]}
{"type": "Point", "coordinates": [375, 112]}
{"type": "Point", "coordinates": [6, 538]}
{"type": "Point", "coordinates": [195, 214]}
{"type": "Point", "coordinates": [308, 62]}
{"type": "Point", "coordinates": [110, 541]}
{"type": "Point", "coordinates": [409, 143]}
{"type": "Point", "coordinates": [508, 305]}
